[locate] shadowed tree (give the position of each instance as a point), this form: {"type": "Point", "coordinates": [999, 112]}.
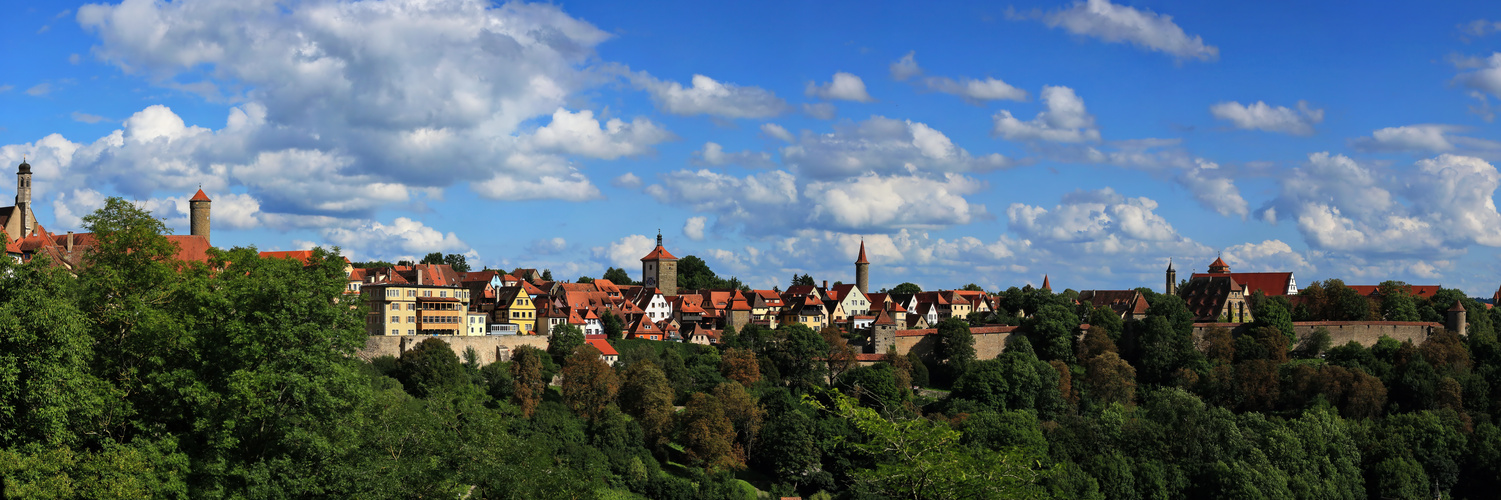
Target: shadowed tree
{"type": "Point", "coordinates": [743, 413]}
{"type": "Point", "coordinates": [526, 374]}
{"type": "Point", "coordinates": [589, 385]}
{"type": "Point", "coordinates": [646, 396]}
{"type": "Point", "coordinates": [1110, 379]}
{"type": "Point", "coordinates": [707, 435]}
{"type": "Point", "coordinates": [741, 366]}
{"type": "Point", "coordinates": [841, 355]}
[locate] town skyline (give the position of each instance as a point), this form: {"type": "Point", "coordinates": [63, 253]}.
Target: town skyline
{"type": "Point", "coordinates": [1090, 142]}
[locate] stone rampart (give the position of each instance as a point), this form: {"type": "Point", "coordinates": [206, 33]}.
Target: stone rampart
{"type": "Point", "coordinates": [490, 348]}
{"type": "Point", "coordinates": [989, 341]}
{"type": "Point", "coordinates": [1365, 333]}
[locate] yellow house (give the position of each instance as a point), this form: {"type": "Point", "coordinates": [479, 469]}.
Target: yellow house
{"type": "Point", "coordinates": [513, 305]}
{"type": "Point", "coordinates": [406, 309]}
{"type": "Point", "coordinates": [808, 310]}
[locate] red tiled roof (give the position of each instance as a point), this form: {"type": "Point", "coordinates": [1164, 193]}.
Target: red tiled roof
{"type": "Point", "coordinates": [603, 345]}
{"type": "Point", "coordinates": [658, 253]}
{"type": "Point", "coordinates": [862, 259]}
{"type": "Point", "coordinates": [1420, 291]}
{"type": "Point", "coordinates": [869, 356]}
{"type": "Point", "coordinates": [1045, 285]}
{"type": "Point", "coordinates": [200, 196]}
{"type": "Point", "coordinates": [189, 248]}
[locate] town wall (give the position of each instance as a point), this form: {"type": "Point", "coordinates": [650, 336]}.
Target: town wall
{"type": "Point", "coordinates": [491, 348]}
{"type": "Point", "coordinates": [989, 341]}
{"type": "Point", "coordinates": [1365, 333]}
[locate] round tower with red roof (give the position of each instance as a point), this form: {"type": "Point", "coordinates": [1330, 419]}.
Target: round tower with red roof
{"type": "Point", "coordinates": [198, 214]}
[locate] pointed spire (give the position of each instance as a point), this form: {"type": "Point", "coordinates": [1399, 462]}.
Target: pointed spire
{"type": "Point", "coordinates": [1045, 284]}
{"type": "Point", "coordinates": [862, 259]}
{"type": "Point", "coordinates": [659, 237]}
{"type": "Point", "coordinates": [1169, 263]}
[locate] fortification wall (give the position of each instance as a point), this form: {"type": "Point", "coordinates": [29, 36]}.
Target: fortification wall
{"type": "Point", "coordinates": [989, 341]}
{"type": "Point", "coordinates": [1365, 333]}
{"type": "Point", "coordinates": [491, 348]}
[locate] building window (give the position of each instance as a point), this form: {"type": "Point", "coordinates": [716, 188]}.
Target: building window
{"type": "Point", "coordinates": [395, 332]}
{"type": "Point", "coordinates": [409, 332]}
{"type": "Point", "coordinates": [411, 319]}
{"type": "Point", "coordinates": [443, 294]}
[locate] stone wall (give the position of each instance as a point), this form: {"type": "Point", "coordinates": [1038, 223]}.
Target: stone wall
{"type": "Point", "coordinates": [989, 341]}
{"type": "Point", "coordinates": [491, 348]}
{"type": "Point", "coordinates": [1365, 333]}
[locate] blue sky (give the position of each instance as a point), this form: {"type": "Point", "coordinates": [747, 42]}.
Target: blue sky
{"type": "Point", "coordinates": [980, 142]}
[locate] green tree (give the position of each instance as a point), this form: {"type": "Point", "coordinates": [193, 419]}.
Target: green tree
{"type": "Point", "coordinates": [973, 288]}
{"type": "Point", "coordinates": [1397, 301]}
{"type": "Point", "coordinates": [547, 275]}
{"type": "Point", "coordinates": [802, 280]}
{"type": "Point", "coordinates": [788, 446]}
{"type": "Point", "coordinates": [743, 413]}
{"type": "Point", "coordinates": [48, 396]}
{"type": "Point", "coordinates": [1108, 320]}
{"type": "Point", "coordinates": [565, 339]}
{"type": "Point", "coordinates": [694, 274]}
{"type": "Point", "coordinates": [1052, 332]}
{"type": "Point", "coordinates": [1271, 313]}
{"type": "Point", "coordinates": [906, 288]}
{"type": "Point", "coordinates": [741, 366]}
{"type": "Point", "coordinates": [619, 277]}
{"type": "Point", "coordinates": [430, 367]}
{"type": "Point", "coordinates": [796, 354]}
{"type": "Point", "coordinates": [956, 346]}
{"type": "Point", "coordinates": [921, 459]}
{"type": "Point", "coordinates": [613, 325]}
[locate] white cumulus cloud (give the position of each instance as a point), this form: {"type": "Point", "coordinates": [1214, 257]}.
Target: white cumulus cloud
{"type": "Point", "coordinates": [1121, 24]}
{"type": "Point", "coordinates": [694, 228]}
{"type": "Point", "coordinates": [1063, 120]}
{"type": "Point", "coordinates": [707, 96]}
{"type": "Point", "coordinates": [1260, 116]}
{"type": "Point", "coordinates": [844, 87]}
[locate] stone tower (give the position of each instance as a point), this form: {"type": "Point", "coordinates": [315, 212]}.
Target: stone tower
{"type": "Point", "coordinates": [862, 271]}
{"type": "Point", "coordinates": [23, 199]}
{"type": "Point", "coordinates": [1456, 319]}
{"type": "Point", "coordinates": [198, 214]}
{"type": "Point", "coordinates": [1172, 279]}
{"type": "Point", "coordinates": [660, 269]}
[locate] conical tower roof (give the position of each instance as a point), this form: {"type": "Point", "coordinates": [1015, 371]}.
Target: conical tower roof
{"type": "Point", "coordinates": [862, 259]}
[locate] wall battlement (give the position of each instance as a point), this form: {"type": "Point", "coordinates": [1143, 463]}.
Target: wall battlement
{"type": "Point", "coordinates": [490, 348]}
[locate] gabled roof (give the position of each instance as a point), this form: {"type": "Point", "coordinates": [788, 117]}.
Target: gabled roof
{"type": "Point", "coordinates": [603, 345]}
{"type": "Point", "coordinates": [1420, 291]}
{"type": "Point", "coordinates": [645, 326]}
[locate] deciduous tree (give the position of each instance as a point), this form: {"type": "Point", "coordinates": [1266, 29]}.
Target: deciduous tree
{"type": "Point", "coordinates": [707, 435]}
{"type": "Point", "coordinates": [589, 385]}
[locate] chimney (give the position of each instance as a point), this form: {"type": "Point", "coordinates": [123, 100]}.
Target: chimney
{"type": "Point", "coordinates": [419, 275]}
{"type": "Point", "coordinates": [70, 242]}
{"type": "Point", "coordinates": [825, 284]}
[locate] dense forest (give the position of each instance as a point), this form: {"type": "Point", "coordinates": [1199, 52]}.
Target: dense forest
{"type": "Point", "coordinates": [146, 377]}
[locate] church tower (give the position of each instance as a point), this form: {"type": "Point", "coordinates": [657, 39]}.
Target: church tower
{"type": "Point", "coordinates": [862, 271]}
{"type": "Point", "coordinates": [198, 214]}
{"type": "Point", "coordinates": [23, 199]}
{"type": "Point", "coordinates": [660, 269]}
{"type": "Point", "coordinates": [1172, 278]}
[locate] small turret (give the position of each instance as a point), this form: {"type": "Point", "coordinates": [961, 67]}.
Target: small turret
{"type": "Point", "coordinates": [1455, 320]}
{"type": "Point", "coordinates": [198, 215]}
